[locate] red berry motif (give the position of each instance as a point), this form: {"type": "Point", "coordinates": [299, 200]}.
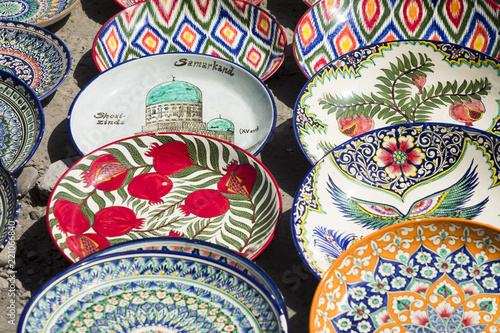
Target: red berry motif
{"type": "Point", "coordinates": [205, 203]}
{"type": "Point", "coordinates": [105, 174]}
{"type": "Point", "coordinates": [115, 221]}
{"type": "Point", "coordinates": [83, 245]}
{"type": "Point", "coordinates": [150, 186]}
{"type": "Point", "coordinates": [239, 179]}
{"type": "Point", "coordinates": [170, 158]}
{"type": "Point", "coordinates": [70, 217]}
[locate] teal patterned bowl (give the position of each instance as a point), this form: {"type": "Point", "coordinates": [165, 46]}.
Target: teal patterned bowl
{"type": "Point", "coordinates": [38, 12]}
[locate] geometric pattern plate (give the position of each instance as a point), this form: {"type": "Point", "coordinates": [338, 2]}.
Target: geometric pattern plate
{"type": "Point", "coordinates": [434, 275]}
{"type": "Point", "coordinates": [166, 184]}
{"type": "Point", "coordinates": [152, 292]}
{"type": "Point", "coordinates": [230, 29]}
{"type": "Point", "coordinates": [395, 83]}
{"type": "Point", "coordinates": [128, 3]}
{"type": "Point", "coordinates": [34, 55]}
{"type": "Point", "coordinates": [38, 12]}
{"type": "Point", "coordinates": [394, 174]}
{"type": "Point", "coordinates": [332, 28]}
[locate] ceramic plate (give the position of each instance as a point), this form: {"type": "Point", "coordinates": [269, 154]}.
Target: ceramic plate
{"type": "Point", "coordinates": [175, 92]}
{"type": "Point", "coordinates": [21, 122]}
{"type": "Point", "coordinates": [332, 28]}
{"type": "Point", "coordinates": [128, 3]}
{"type": "Point", "coordinates": [152, 292]}
{"type": "Point", "coordinates": [390, 175]}
{"type": "Point", "coordinates": [434, 275]}
{"type": "Point", "coordinates": [200, 248]}
{"type": "Point", "coordinates": [35, 55]}
{"type": "Point", "coordinates": [229, 29]}
{"type": "Point", "coordinates": [395, 83]}
{"type": "Point", "coordinates": [162, 185]}
{"type": "Point", "coordinates": [9, 209]}
{"type": "Point", "coordinates": [38, 12]}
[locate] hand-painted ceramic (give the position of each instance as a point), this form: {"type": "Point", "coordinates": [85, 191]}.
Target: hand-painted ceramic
{"type": "Point", "coordinates": [162, 185]}
{"type": "Point", "coordinates": [394, 174]}
{"type": "Point", "coordinates": [395, 83]}
{"type": "Point", "coordinates": [128, 3]}
{"type": "Point", "coordinates": [174, 92]}
{"type": "Point", "coordinates": [9, 209]}
{"type": "Point", "coordinates": [39, 12]}
{"type": "Point", "coordinates": [433, 275]}
{"type": "Point", "coordinates": [21, 122]}
{"type": "Point", "coordinates": [201, 248]}
{"type": "Point", "coordinates": [332, 28]}
{"type": "Point", "coordinates": [152, 292]}
{"type": "Point", "coordinates": [35, 55]}
{"type": "Point", "coordinates": [229, 29]}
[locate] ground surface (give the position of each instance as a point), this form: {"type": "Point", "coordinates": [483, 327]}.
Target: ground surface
{"type": "Point", "coordinates": [37, 258]}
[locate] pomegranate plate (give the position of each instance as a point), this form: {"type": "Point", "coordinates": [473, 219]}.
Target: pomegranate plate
{"type": "Point", "coordinates": [166, 184]}
{"type": "Point", "coordinates": [396, 83]}
{"type": "Point", "coordinates": [432, 275]}
{"type": "Point", "coordinates": [394, 174]}
{"type": "Point", "coordinates": [174, 92]}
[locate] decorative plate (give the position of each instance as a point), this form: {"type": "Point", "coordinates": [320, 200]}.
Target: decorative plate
{"type": "Point", "coordinates": [332, 28]}
{"type": "Point", "coordinates": [395, 83]}
{"type": "Point", "coordinates": [152, 292]}
{"type": "Point", "coordinates": [394, 174]}
{"type": "Point", "coordinates": [174, 92]}
{"type": "Point", "coordinates": [201, 248]}
{"type": "Point", "coordinates": [229, 29]}
{"type": "Point", "coordinates": [21, 122]}
{"type": "Point", "coordinates": [35, 55]}
{"type": "Point", "coordinates": [9, 207]}
{"type": "Point", "coordinates": [128, 3]}
{"type": "Point", "coordinates": [39, 12]}
{"type": "Point", "coordinates": [434, 275]}
{"type": "Point", "coordinates": [171, 184]}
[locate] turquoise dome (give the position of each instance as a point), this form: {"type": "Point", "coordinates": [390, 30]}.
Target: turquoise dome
{"type": "Point", "coordinates": [174, 91]}
{"type": "Point", "coordinates": [220, 124]}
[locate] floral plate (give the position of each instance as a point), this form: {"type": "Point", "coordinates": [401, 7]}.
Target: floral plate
{"type": "Point", "coordinates": [21, 122]}
{"type": "Point", "coordinates": [230, 29]}
{"type": "Point", "coordinates": [174, 92]}
{"type": "Point", "coordinates": [390, 175]}
{"type": "Point", "coordinates": [38, 12]}
{"type": "Point", "coordinates": [395, 83]}
{"type": "Point", "coordinates": [128, 3]}
{"type": "Point", "coordinates": [200, 248]}
{"type": "Point", "coordinates": [433, 275]}
{"type": "Point", "coordinates": [170, 184]}
{"type": "Point", "coordinates": [9, 211]}
{"type": "Point", "coordinates": [35, 55]}
{"type": "Point", "coordinates": [332, 28]}
{"type": "Point", "coordinates": [152, 292]}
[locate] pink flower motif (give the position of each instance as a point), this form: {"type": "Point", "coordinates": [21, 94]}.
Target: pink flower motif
{"type": "Point", "coordinates": [471, 318]}
{"type": "Point", "coordinates": [445, 310]}
{"type": "Point", "coordinates": [419, 317]}
{"type": "Point", "coordinates": [399, 157]}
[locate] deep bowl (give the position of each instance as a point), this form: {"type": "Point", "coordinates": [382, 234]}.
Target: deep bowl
{"type": "Point", "coordinates": [229, 29]}
{"type": "Point", "coordinates": [166, 184]}
{"type": "Point", "coordinates": [38, 12]}
{"type": "Point", "coordinates": [331, 28]}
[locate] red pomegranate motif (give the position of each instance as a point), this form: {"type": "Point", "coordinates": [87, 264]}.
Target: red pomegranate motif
{"type": "Point", "coordinates": [239, 179]}
{"type": "Point", "coordinates": [83, 245]}
{"type": "Point", "coordinates": [170, 158]}
{"type": "Point", "coordinates": [205, 203]}
{"type": "Point", "coordinates": [419, 82]}
{"type": "Point", "coordinates": [150, 186]}
{"type": "Point", "coordinates": [115, 221]}
{"type": "Point", "coordinates": [105, 174]}
{"type": "Point", "coordinates": [173, 233]}
{"type": "Point", "coordinates": [355, 126]}
{"type": "Point", "coordinates": [70, 217]}
{"type": "Point", "coordinates": [467, 112]}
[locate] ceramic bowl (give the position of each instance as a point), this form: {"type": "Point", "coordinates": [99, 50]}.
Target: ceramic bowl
{"type": "Point", "coordinates": [395, 83]}
{"type": "Point", "coordinates": [229, 29]}
{"type": "Point", "coordinates": [201, 248]}
{"type": "Point", "coordinates": [38, 12]}
{"type": "Point", "coordinates": [35, 55]}
{"type": "Point", "coordinates": [9, 213]}
{"type": "Point", "coordinates": [152, 292]}
{"type": "Point", "coordinates": [170, 184]}
{"type": "Point", "coordinates": [128, 3]}
{"type": "Point", "coordinates": [433, 275]}
{"type": "Point", "coordinates": [21, 122]}
{"type": "Point", "coordinates": [168, 92]}
{"type": "Point", "coordinates": [393, 174]}
{"type": "Point", "coordinates": [331, 28]}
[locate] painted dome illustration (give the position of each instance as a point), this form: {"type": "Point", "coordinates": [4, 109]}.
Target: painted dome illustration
{"type": "Point", "coordinates": [177, 106]}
